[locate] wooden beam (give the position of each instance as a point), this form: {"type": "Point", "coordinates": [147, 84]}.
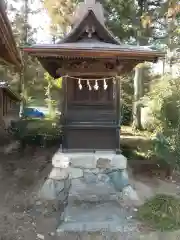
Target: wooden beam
{"type": "Point", "coordinates": [118, 151]}
{"type": "Point", "coordinates": [89, 74]}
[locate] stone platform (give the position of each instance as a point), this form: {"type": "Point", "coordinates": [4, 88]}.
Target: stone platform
{"type": "Point", "coordinates": [96, 217]}
{"type": "Point", "coordinates": [86, 189]}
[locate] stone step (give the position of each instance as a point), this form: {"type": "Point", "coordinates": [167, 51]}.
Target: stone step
{"type": "Point", "coordinates": [89, 190]}
{"type": "Point", "coordinates": [97, 217]}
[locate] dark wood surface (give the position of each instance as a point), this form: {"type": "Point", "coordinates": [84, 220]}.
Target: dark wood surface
{"type": "Point", "coordinates": [90, 138]}
{"type": "Point", "coordinates": [89, 124]}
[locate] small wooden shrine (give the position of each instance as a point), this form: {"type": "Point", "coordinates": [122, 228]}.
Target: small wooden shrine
{"type": "Point", "coordinates": [8, 49]}
{"type": "Point", "coordinates": [90, 59]}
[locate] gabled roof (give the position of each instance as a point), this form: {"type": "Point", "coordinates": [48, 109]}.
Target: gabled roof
{"type": "Point", "coordinates": [103, 33]}
{"type": "Point", "coordinates": [89, 34]}
{"type": "Point", "coordinates": [6, 87]}
{"type": "Point", "coordinates": [9, 52]}
{"type": "Point", "coordinates": [89, 38]}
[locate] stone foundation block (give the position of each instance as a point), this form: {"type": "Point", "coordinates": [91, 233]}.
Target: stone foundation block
{"type": "Point", "coordinates": [58, 174]}
{"type": "Point", "coordinates": [94, 171]}
{"type": "Point", "coordinates": [83, 161]}
{"type": "Point", "coordinates": [111, 161]}
{"type": "Point", "coordinates": [119, 162]}
{"type": "Point", "coordinates": [50, 188]}
{"type": "Point", "coordinates": [119, 179]}
{"type": "Point", "coordinates": [55, 189]}
{"type": "Point", "coordinates": [103, 163]}
{"type": "Point", "coordinates": [60, 160]}
{"type": "Point", "coordinates": [75, 172]}
{"type": "Point", "coordinates": [67, 185]}
{"type": "Point", "coordinates": [90, 177]}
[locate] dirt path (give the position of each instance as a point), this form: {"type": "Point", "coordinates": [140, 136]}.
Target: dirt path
{"type": "Point", "coordinates": [21, 176]}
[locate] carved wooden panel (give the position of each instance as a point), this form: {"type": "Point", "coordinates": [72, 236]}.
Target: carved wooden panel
{"type": "Point", "coordinates": [86, 66]}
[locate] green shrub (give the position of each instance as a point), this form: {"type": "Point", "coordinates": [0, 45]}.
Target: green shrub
{"type": "Point", "coordinates": [36, 131]}
{"type": "Point", "coordinates": [126, 114]}
{"type": "Point", "coordinates": [164, 102]}
{"type": "Point", "coordinates": [162, 212]}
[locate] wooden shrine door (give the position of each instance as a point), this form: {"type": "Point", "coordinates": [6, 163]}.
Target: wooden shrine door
{"type": "Point", "coordinates": [90, 114]}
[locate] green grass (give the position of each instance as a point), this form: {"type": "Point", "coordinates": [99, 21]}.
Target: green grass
{"type": "Point", "coordinates": [162, 212]}
{"type": "Point", "coordinates": [136, 145]}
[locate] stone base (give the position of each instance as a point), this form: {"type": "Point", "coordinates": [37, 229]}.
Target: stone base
{"type": "Point", "coordinates": [89, 186]}
{"type": "Point", "coordinates": [93, 217]}
{"type": "Point", "coordinates": [83, 160]}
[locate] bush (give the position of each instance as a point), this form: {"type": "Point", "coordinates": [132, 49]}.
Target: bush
{"type": "Point", "coordinates": [126, 114]}
{"type": "Point", "coordinates": [36, 131]}
{"type": "Point", "coordinates": [161, 212]}
{"type": "Point", "coordinates": [164, 102]}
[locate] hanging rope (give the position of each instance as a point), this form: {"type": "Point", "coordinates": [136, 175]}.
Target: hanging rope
{"type": "Point", "coordinates": [105, 84]}
{"type": "Point", "coordinates": [88, 79]}
{"type": "Point", "coordinates": [89, 85]}
{"type": "Point", "coordinates": [96, 87]}
{"type": "Point", "coordinates": [79, 83]}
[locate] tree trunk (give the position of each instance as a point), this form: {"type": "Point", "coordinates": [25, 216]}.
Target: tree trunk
{"type": "Point", "coordinates": [138, 94]}
{"type": "Point", "coordinates": [142, 40]}
{"type": "Point", "coordinates": [25, 58]}
{"type": "Point", "coordinates": [50, 107]}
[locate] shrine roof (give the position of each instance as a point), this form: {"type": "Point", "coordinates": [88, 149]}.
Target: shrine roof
{"type": "Point", "coordinates": [90, 16]}
{"type": "Point", "coordinates": [9, 52]}
{"type": "Point", "coordinates": [93, 48]}
{"type": "Point", "coordinates": [92, 45]}
{"type": "Point", "coordinates": [90, 37]}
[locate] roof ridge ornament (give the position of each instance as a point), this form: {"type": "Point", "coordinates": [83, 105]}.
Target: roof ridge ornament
{"type": "Point", "coordinates": [84, 7]}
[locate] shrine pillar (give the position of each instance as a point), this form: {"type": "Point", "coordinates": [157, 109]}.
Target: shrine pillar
{"type": "Point", "coordinates": [118, 115]}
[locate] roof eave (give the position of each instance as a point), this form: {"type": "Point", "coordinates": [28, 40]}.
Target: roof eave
{"type": "Point", "coordinates": [13, 94]}
{"type": "Point", "coordinates": [60, 52]}
{"type": "Point", "coordinates": [15, 56]}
